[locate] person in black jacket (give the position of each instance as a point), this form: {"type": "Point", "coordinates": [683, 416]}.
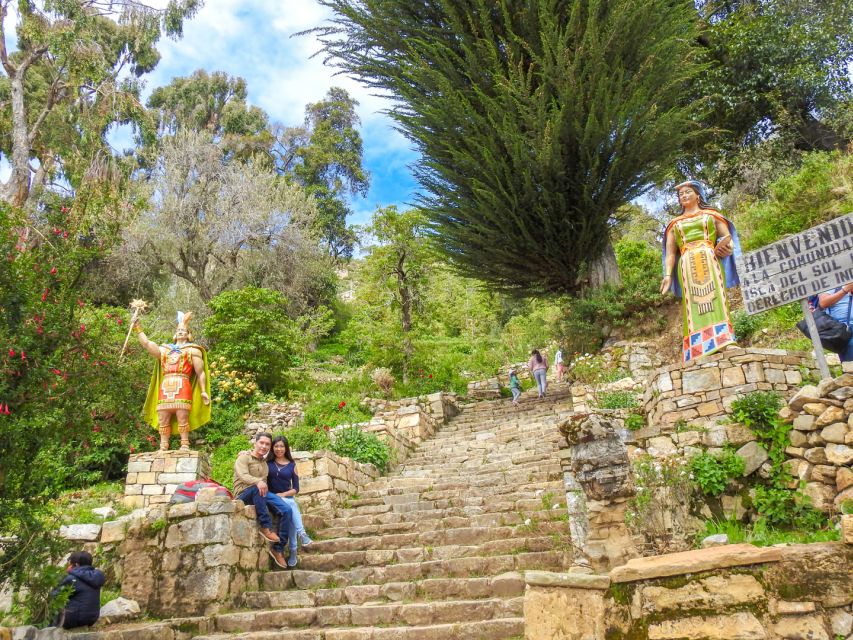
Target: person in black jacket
{"type": "Point", "coordinates": [84, 604]}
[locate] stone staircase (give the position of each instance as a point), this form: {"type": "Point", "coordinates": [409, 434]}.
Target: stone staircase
{"type": "Point", "coordinates": [436, 550]}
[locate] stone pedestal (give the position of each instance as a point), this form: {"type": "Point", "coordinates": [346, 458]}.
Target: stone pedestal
{"type": "Point", "coordinates": [152, 477]}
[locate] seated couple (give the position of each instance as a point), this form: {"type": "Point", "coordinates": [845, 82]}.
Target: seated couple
{"type": "Point", "coordinates": [266, 478]}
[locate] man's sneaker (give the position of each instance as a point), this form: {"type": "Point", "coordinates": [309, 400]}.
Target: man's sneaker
{"type": "Point", "coordinates": [267, 534]}
{"type": "Point", "coordinates": [291, 559]}
{"type": "Point", "coordinates": [304, 539]}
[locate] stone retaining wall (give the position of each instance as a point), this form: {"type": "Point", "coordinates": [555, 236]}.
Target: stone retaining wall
{"type": "Point", "coordinates": [740, 592]}
{"type": "Point", "coordinates": [706, 389]}
{"type": "Point", "coordinates": [190, 559]}
{"type": "Point", "coordinates": [407, 422]}
{"type": "Point", "coordinates": [326, 480]}
{"type": "Point", "coordinates": [152, 477]}
{"type": "Point", "coordinates": [821, 451]}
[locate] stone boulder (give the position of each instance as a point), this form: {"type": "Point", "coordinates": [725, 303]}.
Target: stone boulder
{"type": "Point", "coordinates": [599, 458]}
{"type": "Point", "coordinates": [119, 610]}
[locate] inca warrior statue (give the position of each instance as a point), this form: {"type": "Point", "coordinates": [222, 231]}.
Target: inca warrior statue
{"type": "Point", "coordinates": [179, 394]}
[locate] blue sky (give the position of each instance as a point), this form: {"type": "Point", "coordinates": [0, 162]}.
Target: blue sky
{"type": "Point", "coordinates": [254, 40]}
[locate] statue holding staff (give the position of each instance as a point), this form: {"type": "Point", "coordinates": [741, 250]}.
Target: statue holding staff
{"type": "Point", "coordinates": [178, 398]}
{"type": "Point", "coordinates": [698, 266]}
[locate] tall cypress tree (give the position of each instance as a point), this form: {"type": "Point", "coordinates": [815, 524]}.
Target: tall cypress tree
{"type": "Point", "coordinates": [536, 119]}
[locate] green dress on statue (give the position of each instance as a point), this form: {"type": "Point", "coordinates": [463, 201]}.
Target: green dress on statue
{"type": "Point", "coordinates": [707, 326]}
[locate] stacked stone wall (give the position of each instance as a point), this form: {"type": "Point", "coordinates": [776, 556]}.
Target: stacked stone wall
{"type": "Point", "coordinates": [821, 451]}
{"type": "Point", "coordinates": [735, 592]}
{"type": "Point", "coordinates": [191, 559]}
{"type": "Point", "coordinates": [326, 480]}
{"type": "Point", "coordinates": [696, 391]}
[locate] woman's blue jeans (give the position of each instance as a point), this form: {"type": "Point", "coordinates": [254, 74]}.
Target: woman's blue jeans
{"type": "Point", "coordinates": [297, 515]}
{"type": "Point", "coordinates": [541, 380]}
{"type": "Point", "coordinates": [289, 514]}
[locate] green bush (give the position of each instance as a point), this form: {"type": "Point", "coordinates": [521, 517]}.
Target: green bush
{"type": "Point", "coordinates": [226, 422]}
{"type": "Point", "coordinates": [712, 472]}
{"type": "Point", "coordinates": [774, 501]}
{"type": "Point", "coordinates": [745, 325]}
{"type": "Point", "coordinates": [817, 192]}
{"type": "Point", "coordinates": [616, 399]}
{"type": "Point", "coordinates": [361, 446]}
{"type": "Point", "coordinates": [591, 318]}
{"type": "Point", "coordinates": [222, 460]}
{"type": "Point", "coordinates": [635, 422]}
{"type": "Point", "coordinates": [306, 437]}
{"type": "Point", "coordinates": [250, 328]}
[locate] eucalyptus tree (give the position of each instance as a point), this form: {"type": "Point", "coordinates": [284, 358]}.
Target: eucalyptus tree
{"type": "Point", "coordinates": [216, 103]}
{"type": "Point", "coordinates": [71, 76]}
{"type": "Point", "coordinates": [536, 120]}
{"type": "Point", "coordinates": [329, 164]}
{"type": "Point", "coordinates": [210, 220]}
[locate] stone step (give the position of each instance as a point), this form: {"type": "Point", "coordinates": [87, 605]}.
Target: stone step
{"type": "Point", "coordinates": [464, 536]}
{"type": "Point", "coordinates": [449, 491]}
{"type": "Point", "coordinates": [377, 556]}
{"type": "Point", "coordinates": [369, 614]}
{"type": "Point", "coordinates": [477, 566]}
{"type": "Point", "coordinates": [495, 629]}
{"type": "Point", "coordinates": [446, 498]}
{"type": "Point", "coordinates": [478, 516]}
{"type": "Point", "coordinates": [422, 509]}
{"type": "Point", "coordinates": [446, 530]}
{"type": "Point", "coordinates": [507, 585]}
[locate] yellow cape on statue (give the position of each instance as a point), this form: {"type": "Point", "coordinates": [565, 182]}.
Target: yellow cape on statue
{"type": "Point", "coordinates": [199, 412]}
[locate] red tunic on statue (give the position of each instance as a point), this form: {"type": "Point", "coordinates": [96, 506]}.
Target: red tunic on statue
{"type": "Point", "coordinates": [176, 390]}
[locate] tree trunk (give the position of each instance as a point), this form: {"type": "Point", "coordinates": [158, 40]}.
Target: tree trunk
{"type": "Point", "coordinates": [405, 316]}
{"type": "Point", "coordinates": [17, 188]}
{"type": "Point", "coordinates": [604, 269]}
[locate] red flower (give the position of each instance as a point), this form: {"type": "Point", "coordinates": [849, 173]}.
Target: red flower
{"type": "Point", "coordinates": [430, 375]}
{"type": "Point", "coordinates": [11, 353]}
{"type": "Point", "coordinates": [5, 410]}
{"type": "Point", "coordinates": [53, 271]}
{"type": "Point", "coordinates": [64, 234]}
{"type": "Point", "coordinates": [342, 405]}
{"type": "Point", "coordinates": [85, 355]}
{"type": "Point", "coordinates": [132, 449]}
{"type": "Point", "coordinates": [23, 357]}
{"type": "Point", "coordinates": [64, 209]}
{"type": "Point", "coordinates": [96, 428]}
{"type": "Point", "coordinates": [44, 294]}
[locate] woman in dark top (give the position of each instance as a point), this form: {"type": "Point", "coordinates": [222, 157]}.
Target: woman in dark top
{"type": "Point", "coordinates": [284, 482]}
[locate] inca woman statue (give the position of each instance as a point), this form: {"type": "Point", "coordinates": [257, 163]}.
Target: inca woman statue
{"type": "Point", "coordinates": [179, 394]}
{"type": "Point", "coordinates": [697, 247]}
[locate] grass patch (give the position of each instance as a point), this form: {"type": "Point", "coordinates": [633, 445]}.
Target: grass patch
{"type": "Point", "coordinates": [763, 535]}
{"type": "Point", "coordinates": [75, 506]}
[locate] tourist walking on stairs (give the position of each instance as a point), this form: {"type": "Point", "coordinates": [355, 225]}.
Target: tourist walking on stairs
{"type": "Point", "coordinates": [514, 386]}
{"type": "Point", "coordinates": [538, 366]}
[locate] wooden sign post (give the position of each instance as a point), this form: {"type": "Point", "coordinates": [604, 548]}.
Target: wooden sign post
{"type": "Point", "coordinates": [797, 267]}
